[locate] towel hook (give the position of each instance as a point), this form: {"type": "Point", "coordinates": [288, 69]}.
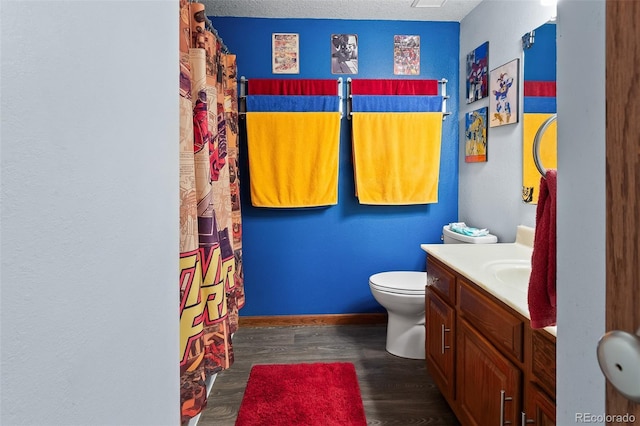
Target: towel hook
{"type": "Point", "coordinates": [536, 143]}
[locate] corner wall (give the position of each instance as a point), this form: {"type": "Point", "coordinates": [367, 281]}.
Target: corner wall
{"type": "Point", "coordinates": [490, 193]}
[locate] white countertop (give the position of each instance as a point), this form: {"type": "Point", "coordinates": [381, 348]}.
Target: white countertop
{"type": "Point", "coordinates": [475, 261]}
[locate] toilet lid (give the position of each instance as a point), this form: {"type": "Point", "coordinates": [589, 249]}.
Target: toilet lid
{"type": "Point", "coordinates": [404, 282]}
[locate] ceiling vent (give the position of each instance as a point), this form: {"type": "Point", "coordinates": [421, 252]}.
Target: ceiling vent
{"type": "Point", "coordinates": [428, 3]}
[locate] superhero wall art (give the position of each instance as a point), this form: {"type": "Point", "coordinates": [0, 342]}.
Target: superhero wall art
{"type": "Point", "coordinates": [477, 73]}
{"type": "Point", "coordinates": [344, 54]}
{"type": "Point", "coordinates": [503, 96]}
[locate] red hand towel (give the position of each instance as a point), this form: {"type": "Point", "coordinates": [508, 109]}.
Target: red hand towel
{"type": "Point", "coordinates": [542, 282]}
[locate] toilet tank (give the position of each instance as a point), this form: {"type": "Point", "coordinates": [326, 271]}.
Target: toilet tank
{"type": "Point", "coordinates": [450, 237]}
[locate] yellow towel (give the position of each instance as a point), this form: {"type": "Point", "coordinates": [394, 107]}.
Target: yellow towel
{"type": "Point", "coordinates": [293, 158]}
{"type": "Point", "coordinates": [397, 157]}
{"type": "Point", "coordinates": [531, 122]}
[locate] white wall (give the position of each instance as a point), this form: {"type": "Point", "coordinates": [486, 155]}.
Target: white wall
{"type": "Point", "coordinates": [581, 207]}
{"type": "Point", "coordinates": [89, 201]}
{"type": "Point", "coordinates": [489, 192]}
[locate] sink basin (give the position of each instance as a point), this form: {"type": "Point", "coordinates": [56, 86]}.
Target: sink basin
{"type": "Point", "coordinates": [512, 272]}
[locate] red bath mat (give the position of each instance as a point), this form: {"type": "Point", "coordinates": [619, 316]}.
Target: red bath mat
{"type": "Point", "coordinates": [316, 394]}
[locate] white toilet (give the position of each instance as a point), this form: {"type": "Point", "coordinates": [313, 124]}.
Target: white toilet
{"type": "Point", "coordinates": [401, 293]}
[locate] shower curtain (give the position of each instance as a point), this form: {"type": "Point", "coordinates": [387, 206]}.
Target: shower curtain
{"type": "Point", "coordinates": [211, 278]}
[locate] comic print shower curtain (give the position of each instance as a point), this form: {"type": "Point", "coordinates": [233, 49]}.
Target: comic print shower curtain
{"type": "Point", "coordinates": [211, 278]}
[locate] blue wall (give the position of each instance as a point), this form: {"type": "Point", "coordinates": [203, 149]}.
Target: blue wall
{"type": "Point", "coordinates": [540, 59]}
{"type": "Point", "coordinates": [318, 261]}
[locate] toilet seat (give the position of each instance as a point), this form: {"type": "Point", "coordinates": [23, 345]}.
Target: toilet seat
{"type": "Point", "coordinates": [400, 282]}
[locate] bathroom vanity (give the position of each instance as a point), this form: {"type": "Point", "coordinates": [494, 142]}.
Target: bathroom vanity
{"type": "Point", "coordinates": [490, 365]}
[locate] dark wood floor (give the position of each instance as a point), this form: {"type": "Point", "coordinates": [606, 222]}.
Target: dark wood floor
{"type": "Point", "coordinates": [395, 391]}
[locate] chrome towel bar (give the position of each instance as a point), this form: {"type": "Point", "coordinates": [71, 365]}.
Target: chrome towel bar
{"type": "Point", "coordinates": [536, 143]}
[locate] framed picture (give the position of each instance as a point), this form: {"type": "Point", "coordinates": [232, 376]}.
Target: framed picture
{"type": "Point", "coordinates": [285, 53]}
{"type": "Point", "coordinates": [503, 84]}
{"type": "Point", "coordinates": [475, 131]}
{"type": "Point", "coordinates": [344, 54]}
{"type": "Point", "coordinates": [477, 73]}
{"type": "Point", "coordinates": [406, 54]}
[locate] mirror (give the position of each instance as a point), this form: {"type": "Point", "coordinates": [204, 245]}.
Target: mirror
{"type": "Point", "coordinates": [539, 105]}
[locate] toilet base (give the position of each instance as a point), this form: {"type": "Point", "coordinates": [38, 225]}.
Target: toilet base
{"type": "Point", "coordinates": [406, 339]}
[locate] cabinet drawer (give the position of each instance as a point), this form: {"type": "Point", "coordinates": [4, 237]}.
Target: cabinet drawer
{"type": "Point", "coordinates": [544, 362]}
{"type": "Point", "coordinates": [442, 280]}
{"type": "Point", "coordinates": [501, 327]}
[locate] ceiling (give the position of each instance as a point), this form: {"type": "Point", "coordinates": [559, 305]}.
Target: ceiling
{"type": "Point", "coordinates": [395, 10]}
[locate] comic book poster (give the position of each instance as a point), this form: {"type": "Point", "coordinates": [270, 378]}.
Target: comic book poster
{"type": "Point", "coordinates": [285, 53]}
{"type": "Point", "coordinates": [344, 54]}
{"type": "Point", "coordinates": [406, 55]}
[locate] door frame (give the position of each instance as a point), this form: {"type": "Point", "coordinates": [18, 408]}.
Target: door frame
{"type": "Point", "coordinates": [622, 180]}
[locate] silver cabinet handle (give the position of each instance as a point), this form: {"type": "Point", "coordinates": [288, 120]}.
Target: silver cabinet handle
{"type": "Point", "coordinates": [444, 330]}
{"type": "Point", "coordinates": [523, 419]}
{"type": "Point", "coordinates": [503, 398]}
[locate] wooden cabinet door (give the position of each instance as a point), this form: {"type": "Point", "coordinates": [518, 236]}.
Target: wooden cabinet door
{"type": "Point", "coordinates": [439, 342]}
{"type": "Point", "coordinates": [482, 374]}
{"type": "Point", "coordinates": [541, 409]}
{"type": "Point", "coordinates": [543, 363]}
